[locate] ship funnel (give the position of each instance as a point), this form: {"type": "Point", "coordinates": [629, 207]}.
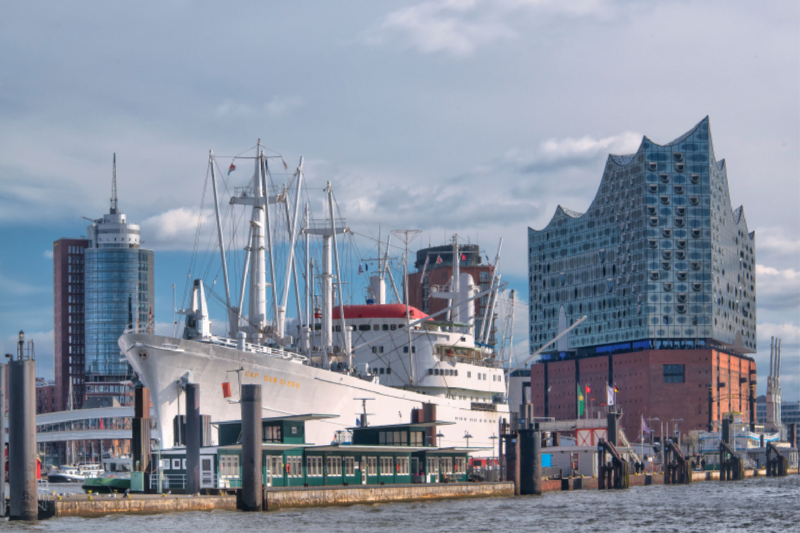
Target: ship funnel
{"type": "Point", "coordinates": [197, 322]}
{"type": "Point", "coordinates": [377, 290]}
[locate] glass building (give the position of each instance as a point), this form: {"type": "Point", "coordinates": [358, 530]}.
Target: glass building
{"type": "Point", "coordinates": [118, 294]}
{"type": "Point", "coordinates": [661, 259]}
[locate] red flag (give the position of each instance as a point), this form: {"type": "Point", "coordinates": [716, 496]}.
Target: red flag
{"type": "Point", "coordinates": [588, 390]}
{"type": "Point", "coordinates": [438, 259]}
{"type": "Point", "coordinates": [463, 257]}
{"type": "Point", "coordinates": [285, 166]}
{"type": "Point", "coordinates": [231, 168]}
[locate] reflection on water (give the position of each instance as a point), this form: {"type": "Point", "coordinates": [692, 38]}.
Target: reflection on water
{"type": "Point", "coordinates": [752, 505]}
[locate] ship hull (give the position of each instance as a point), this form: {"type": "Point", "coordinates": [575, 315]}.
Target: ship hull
{"type": "Point", "coordinates": [290, 387]}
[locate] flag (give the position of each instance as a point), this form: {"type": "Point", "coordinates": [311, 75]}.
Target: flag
{"type": "Point", "coordinates": [366, 267]}
{"type": "Point", "coordinates": [358, 422]}
{"type": "Point", "coordinates": [360, 269]}
{"type": "Point", "coordinates": [439, 260]}
{"type": "Point", "coordinates": [645, 429]}
{"type": "Point", "coordinates": [611, 393]}
{"type": "Point", "coordinates": [231, 168]}
{"type": "Point", "coordinates": [424, 268]}
{"type": "Point", "coordinates": [285, 166]}
{"type": "Point", "coordinates": [581, 402]}
{"type": "Point", "coordinates": [463, 257]}
{"type": "Point", "coordinates": [487, 259]}
{"type": "Point", "coordinates": [588, 390]}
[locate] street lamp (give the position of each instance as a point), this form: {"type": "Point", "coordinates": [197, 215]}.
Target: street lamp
{"type": "Point", "coordinates": [439, 436]}
{"type": "Point", "coordinates": [467, 436]}
{"type": "Point", "coordinates": [494, 438]}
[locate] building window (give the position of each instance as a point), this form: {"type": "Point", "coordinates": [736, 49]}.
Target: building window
{"type": "Point", "coordinates": [295, 466]}
{"type": "Point", "coordinates": [272, 434]}
{"type": "Point", "coordinates": [349, 466]}
{"type": "Point", "coordinates": [229, 465]}
{"type": "Point", "coordinates": [402, 466]}
{"type": "Point", "coordinates": [314, 466]}
{"type": "Point", "coordinates": [372, 466]}
{"type": "Point", "coordinates": [386, 466]}
{"type": "Point", "coordinates": [674, 373]}
{"type": "Point", "coordinates": [334, 465]}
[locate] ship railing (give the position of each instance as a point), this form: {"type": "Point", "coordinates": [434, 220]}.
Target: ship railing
{"type": "Point", "coordinates": [255, 348]}
{"type": "Point", "coordinates": [178, 482]}
{"type": "Point", "coordinates": [469, 360]}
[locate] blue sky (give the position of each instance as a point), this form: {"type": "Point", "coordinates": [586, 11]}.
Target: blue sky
{"type": "Point", "coordinates": [469, 116]}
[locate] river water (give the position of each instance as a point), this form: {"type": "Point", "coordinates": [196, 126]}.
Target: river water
{"type": "Point", "coordinates": [757, 505]}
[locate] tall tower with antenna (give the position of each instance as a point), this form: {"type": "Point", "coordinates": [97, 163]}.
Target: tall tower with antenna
{"type": "Point", "coordinates": [113, 210]}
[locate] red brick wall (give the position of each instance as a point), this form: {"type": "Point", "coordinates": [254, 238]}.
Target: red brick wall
{"type": "Point", "coordinates": [594, 373]}
{"type": "Point", "coordinates": [639, 378]}
{"type": "Point", "coordinates": [537, 390]}
{"type": "Point", "coordinates": [563, 392]}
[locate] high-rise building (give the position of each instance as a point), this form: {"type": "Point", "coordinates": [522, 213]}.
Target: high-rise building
{"type": "Point", "coordinates": [439, 273]}
{"type": "Point", "coordinates": [69, 339]}
{"type": "Point", "coordinates": [119, 294]}
{"type": "Point", "coordinates": [663, 268]}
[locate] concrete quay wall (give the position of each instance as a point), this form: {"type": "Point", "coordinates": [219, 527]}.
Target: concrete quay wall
{"type": "Point", "coordinates": [96, 506]}
{"type": "Point", "coordinates": [277, 498]}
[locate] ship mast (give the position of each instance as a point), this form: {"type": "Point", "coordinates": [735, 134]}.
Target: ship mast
{"type": "Point", "coordinates": [231, 313]}
{"type": "Point", "coordinates": [407, 235]}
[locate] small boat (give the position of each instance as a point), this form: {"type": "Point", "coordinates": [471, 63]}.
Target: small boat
{"type": "Point", "coordinates": [107, 483]}
{"type": "Point", "coordinates": [74, 474]}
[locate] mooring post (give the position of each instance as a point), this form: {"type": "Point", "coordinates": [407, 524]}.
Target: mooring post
{"type": "Point", "coordinates": [530, 449]}
{"type": "Point", "coordinates": [613, 428]}
{"type": "Point", "coordinates": [537, 463]}
{"type": "Point", "coordinates": [22, 437]}
{"type": "Point", "coordinates": [252, 482]}
{"type": "Point", "coordinates": [140, 437]}
{"type": "Point", "coordinates": [512, 453]}
{"type": "Point", "coordinates": [2, 439]}
{"type": "Point", "coordinates": [193, 438]}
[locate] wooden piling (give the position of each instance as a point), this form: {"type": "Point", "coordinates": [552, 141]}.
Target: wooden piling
{"type": "Point", "coordinates": [252, 481]}
{"type": "Point", "coordinates": [22, 439]}
{"type": "Point", "coordinates": [193, 436]}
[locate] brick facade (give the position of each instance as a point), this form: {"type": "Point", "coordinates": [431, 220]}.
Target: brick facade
{"type": "Point", "coordinates": [643, 391]}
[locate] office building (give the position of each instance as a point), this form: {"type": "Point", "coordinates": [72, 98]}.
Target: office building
{"type": "Point", "coordinates": [663, 267]}
{"type": "Point", "coordinates": [119, 294]}
{"type": "Point", "coordinates": [69, 347]}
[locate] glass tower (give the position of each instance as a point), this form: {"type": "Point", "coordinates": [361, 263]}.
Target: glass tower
{"type": "Point", "coordinates": [118, 294]}
{"type": "Point", "coordinates": [659, 260]}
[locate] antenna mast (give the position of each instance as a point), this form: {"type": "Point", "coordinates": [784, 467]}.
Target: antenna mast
{"type": "Point", "coordinates": [113, 210]}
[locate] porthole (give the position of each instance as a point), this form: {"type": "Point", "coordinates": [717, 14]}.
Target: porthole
{"type": "Point", "coordinates": [694, 178]}
{"type": "Point", "coordinates": [695, 265]}
{"type": "Point", "coordinates": [681, 276]}
{"type": "Point", "coordinates": [678, 189]}
{"type": "Point", "coordinates": [664, 178]}
{"type": "Point", "coordinates": [664, 200]}
{"type": "Point", "coordinates": [679, 222]}
{"type": "Point", "coordinates": [696, 233]}
{"type": "Point", "coordinates": [667, 233]}
{"type": "Point", "coordinates": [681, 243]}
{"type": "Point", "coordinates": [694, 200]}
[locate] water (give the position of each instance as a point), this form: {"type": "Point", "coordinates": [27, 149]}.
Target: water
{"type": "Point", "coordinates": [759, 505]}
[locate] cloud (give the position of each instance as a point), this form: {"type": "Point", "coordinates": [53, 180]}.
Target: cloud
{"type": "Point", "coordinates": [448, 26]}
{"type": "Point", "coordinates": [777, 289]}
{"type": "Point", "coordinates": [19, 288]}
{"type": "Point", "coordinates": [460, 27]}
{"type": "Point", "coordinates": [280, 105]}
{"type": "Point", "coordinates": [48, 254]}
{"type": "Point", "coordinates": [177, 229]}
{"type": "Point", "coordinates": [775, 239]}
{"type": "Point", "coordinates": [232, 109]}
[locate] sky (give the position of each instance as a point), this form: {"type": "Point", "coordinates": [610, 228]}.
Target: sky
{"type": "Point", "coordinates": [475, 117]}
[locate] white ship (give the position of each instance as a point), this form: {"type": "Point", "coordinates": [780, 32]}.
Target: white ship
{"type": "Point", "coordinates": [390, 355]}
